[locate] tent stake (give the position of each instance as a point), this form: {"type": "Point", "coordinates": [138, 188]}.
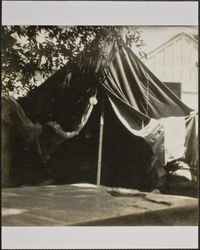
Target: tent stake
{"type": "Point", "coordinates": [100, 144]}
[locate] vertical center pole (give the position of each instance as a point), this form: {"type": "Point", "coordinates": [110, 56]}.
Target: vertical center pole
{"type": "Point", "coordinates": [100, 144]}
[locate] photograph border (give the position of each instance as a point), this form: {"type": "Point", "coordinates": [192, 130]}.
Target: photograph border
{"type": "Point", "coordinates": [22, 13]}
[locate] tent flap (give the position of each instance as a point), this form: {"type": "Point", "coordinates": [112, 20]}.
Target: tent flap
{"type": "Point", "coordinates": [141, 101]}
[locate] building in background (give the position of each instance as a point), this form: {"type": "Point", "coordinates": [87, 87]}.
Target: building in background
{"type": "Point", "coordinates": [175, 62]}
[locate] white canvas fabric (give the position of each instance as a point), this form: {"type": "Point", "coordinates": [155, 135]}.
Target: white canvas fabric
{"type": "Point", "coordinates": [174, 138]}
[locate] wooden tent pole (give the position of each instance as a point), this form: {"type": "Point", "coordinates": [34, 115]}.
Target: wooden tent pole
{"type": "Point", "coordinates": [100, 144]}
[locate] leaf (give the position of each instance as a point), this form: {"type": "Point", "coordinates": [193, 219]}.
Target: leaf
{"type": "Point", "coordinates": [45, 47]}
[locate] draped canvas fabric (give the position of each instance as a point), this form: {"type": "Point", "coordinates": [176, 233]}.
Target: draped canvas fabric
{"type": "Point", "coordinates": [16, 124]}
{"type": "Point", "coordinates": [191, 143]}
{"type": "Point", "coordinates": [175, 131]}
{"type": "Point", "coordinates": [53, 134]}
{"type": "Point", "coordinates": [146, 107]}
{"type": "Point", "coordinates": [44, 139]}
{"type": "Point", "coordinates": [128, 79]}
{"type": "Point", "coordinates": [139, 99]}
{"type": "Point", "coordinates": [13, 115]}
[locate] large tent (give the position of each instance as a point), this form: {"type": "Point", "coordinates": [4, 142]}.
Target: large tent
{"type": "Point", "coordinates": [117, 80]}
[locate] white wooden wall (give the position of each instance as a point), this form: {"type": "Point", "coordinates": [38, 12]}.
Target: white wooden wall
{"type": "Point", "coordinates": [176, 61]}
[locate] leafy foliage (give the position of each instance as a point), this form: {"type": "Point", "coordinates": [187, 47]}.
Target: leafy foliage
{"type": "Point", "coordinates": [31, 53]}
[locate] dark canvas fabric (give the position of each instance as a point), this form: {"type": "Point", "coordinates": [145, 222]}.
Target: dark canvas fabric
{"type": "Point", "coordinates": [13, 115]}
{"type": "Point", "coordinates": [62, 104]}
{"type": "Point", "coordinates": [191, 143]}
{"type": "Point", "coordinates": [128, 79]}
{"type": "Point", "coordinates": [17, 129]}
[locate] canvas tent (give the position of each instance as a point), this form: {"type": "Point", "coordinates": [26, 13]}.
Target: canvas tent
{"type": "Point", "coordinates": [60, 108]}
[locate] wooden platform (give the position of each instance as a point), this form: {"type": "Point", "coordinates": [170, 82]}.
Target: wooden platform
{"type": "Point", "coordinates": [86, 204]}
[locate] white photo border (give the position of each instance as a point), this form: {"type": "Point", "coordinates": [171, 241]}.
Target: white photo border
{"type": "Point", "coordinates": [99, 13]}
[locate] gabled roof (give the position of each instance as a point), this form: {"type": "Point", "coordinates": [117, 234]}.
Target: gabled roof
{"type": "Point", "coordinates": [192, 38]}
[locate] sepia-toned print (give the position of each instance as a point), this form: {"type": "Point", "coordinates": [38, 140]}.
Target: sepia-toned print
{"type": "Point", "coordinates": [99, 125]}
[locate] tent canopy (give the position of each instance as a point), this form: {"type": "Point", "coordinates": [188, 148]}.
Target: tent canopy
{"type": "Point", "coordinates": [64, 102]}
{"type": "Point", "coordinates": [125, 79]}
